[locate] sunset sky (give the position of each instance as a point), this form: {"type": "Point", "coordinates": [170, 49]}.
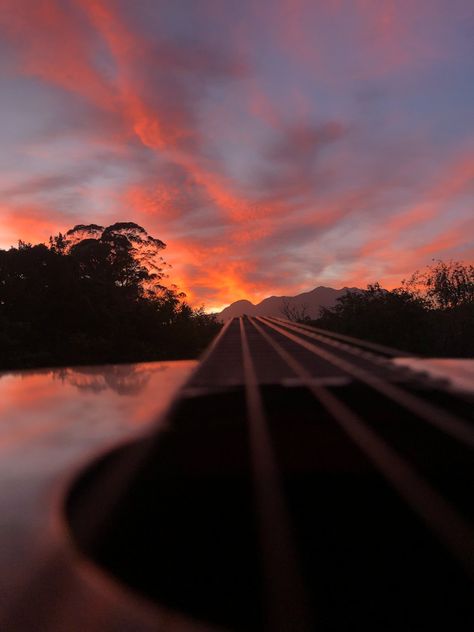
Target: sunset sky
{"type": "Point", "coordinates": [274, 145]}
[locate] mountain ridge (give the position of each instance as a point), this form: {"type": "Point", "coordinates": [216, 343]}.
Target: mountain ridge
{"type": "Point", "coordinates": [310, 301]}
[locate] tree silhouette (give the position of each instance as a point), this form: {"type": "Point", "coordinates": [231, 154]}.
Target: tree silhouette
{"type": "Point", "coordinates": [444, 285]}
{"type": "Point", "coordinates": [432, 313]}
{"type": "Point", "coordinates": [295, 313]}
{"type": "Point", "coordinates": [94, 295]}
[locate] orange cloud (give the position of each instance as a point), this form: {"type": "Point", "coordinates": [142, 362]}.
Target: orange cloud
{"type": "Point", "coordinates": [458, 179]}
{"type": "Point", "coordinates": [54, 47]}
{"type": "Point", "coordinates": [30, 224]}
{"type": "Point", "coordinates": [259, 219]}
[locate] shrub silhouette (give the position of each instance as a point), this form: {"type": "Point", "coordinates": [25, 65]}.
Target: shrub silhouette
{"type": "Point", "coordinates": [432, 313]}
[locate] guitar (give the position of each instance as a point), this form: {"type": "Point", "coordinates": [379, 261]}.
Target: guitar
{"type": "Point", "coordinates": [295, 479]}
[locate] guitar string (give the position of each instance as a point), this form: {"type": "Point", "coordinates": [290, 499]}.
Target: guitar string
{"type": "Point", "coordinates": [436, 512]}
{"type": "Point", "coordinates": [285, 597]}
{"type": "Point", "coordinates": [438, 417]}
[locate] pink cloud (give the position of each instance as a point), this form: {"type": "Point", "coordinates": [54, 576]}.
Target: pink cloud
{"type": "Point", "coordinates": [258, 202]}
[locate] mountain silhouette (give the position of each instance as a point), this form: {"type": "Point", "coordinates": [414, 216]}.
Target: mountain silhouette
{"type": "Point", "coordinates": [275, 306]}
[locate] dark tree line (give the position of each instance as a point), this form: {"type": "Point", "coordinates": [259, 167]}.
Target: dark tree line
{"type": "Point", "coordinates": [432, 313]}
{"type": "Point", "coordinates": [94, 295]}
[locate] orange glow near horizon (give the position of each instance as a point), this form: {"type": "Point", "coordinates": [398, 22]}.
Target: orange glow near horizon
{"type": "Point", "coordinates": [274, 149]}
